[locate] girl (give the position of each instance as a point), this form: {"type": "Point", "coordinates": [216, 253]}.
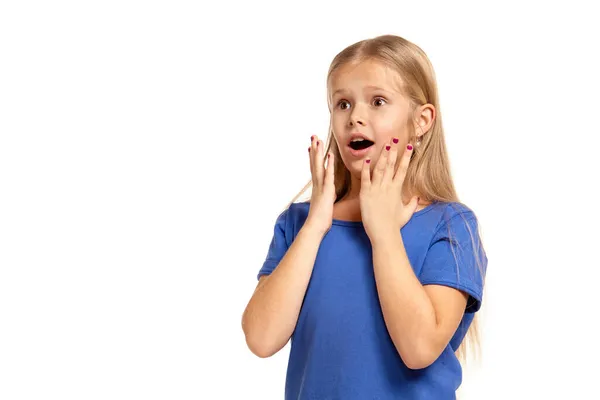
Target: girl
{"type": "Point", "coordinates": [378, 277]}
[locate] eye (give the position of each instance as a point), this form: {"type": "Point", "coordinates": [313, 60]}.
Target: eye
{"type": "Point", "coordinates": [341, 102]}
{"type": "Point", "coordinates": [379, 101]}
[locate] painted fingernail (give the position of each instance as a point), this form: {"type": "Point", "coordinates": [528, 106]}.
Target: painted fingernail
{"type": "Point", "coordinates": [312, 138]}
{"type": "Point", "coordinates": [409, 147]}
{"type": "Point", "coordinates": [395, 140]}
{"type": "Point", "coordinates": [387, 147]}
{"type": "Point", "coordinates": [367, 161]}
{"type": "Point", "coordinates": [309, 149]}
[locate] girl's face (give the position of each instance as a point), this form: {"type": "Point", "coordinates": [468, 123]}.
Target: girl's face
{"type": "Point", "coordinates": [366, 104]}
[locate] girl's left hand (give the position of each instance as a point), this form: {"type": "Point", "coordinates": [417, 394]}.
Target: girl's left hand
{"type": "Point", "coordinates": [382, 210]}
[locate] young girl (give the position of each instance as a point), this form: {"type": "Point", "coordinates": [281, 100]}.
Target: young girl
{"type": "Point", "coordinates": [378, 277]}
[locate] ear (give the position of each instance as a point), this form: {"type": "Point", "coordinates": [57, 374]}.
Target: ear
{"type": "Point", "coordinates": [424, 118]}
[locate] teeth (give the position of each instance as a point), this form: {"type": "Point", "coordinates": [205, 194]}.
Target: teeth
{"type": "Point", "coordinates": [358, 140]}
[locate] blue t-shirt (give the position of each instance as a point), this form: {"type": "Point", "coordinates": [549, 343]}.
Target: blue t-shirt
{"type": "Point", "coordinates": [340, 348]}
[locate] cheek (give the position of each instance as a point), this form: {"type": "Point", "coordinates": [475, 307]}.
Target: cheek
{"type": "Point", "coordinates": [386, 130]}
{"type": "Point", "coordinates": [338, 128]}
{"type": "Point", "coordinates": [337, 120]}
{"type": "Point", "coordinates": [337, 140]}
{"type": "Point", "coordinates": [390, 126]}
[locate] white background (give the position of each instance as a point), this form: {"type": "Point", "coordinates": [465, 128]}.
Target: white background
{"type": "Point", "coordinates": [147, 148]}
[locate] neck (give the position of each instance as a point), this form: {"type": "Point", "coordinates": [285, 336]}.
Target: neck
{"type": "Point", "coordinates": [354, 190]}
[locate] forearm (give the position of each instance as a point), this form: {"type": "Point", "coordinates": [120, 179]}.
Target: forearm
{"type": "Point", "coordinates": [272, 312]}
{"type": "Point", "coordinates": [408, 312]}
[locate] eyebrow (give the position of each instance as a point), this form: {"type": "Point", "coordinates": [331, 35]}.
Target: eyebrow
{"type": "Point", "coordinates": [366, 87]}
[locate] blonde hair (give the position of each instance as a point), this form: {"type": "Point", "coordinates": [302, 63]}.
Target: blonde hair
{"type": "Point", "coordinates": [428, 173]}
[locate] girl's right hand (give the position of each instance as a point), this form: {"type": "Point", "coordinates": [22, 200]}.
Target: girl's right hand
{"type": "Point", "coordinates": [320, 214]}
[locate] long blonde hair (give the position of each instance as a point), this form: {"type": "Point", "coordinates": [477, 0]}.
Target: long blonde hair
{"type": "Point", "coordinates": [428, 173]}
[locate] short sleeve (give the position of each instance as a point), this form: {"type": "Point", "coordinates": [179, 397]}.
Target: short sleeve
{"type": "Point", "coordinates": [456, 258]}
{"type": "Point", "coordinates": [279, 244]}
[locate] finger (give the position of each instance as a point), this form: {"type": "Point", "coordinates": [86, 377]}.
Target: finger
{"type": "Point", "coordinates": [365, 176]}
{"type": "Point", "coordinates": [318, 162]}
{"type": "Point", "coordinates": [329, 173]}
{"type": "Point", "coordinates": [381, 165]}
{"type": "Point", "coordinates": [311, 152]}
{"type": "Point", "coordinates": [390, 168]}
{"type": "Point", "coordinates": [403, 167]}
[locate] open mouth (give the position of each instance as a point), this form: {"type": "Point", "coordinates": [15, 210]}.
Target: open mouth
{"type": "Point", "coordinates": [360, 144]}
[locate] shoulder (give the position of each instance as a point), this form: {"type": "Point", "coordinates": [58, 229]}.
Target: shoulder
{"type": "Point", "coordinates": [445, 217]}
{"type": "Point", "coordinates": [294, 211]}
{"type": "Point", "coordinates": [454, 208]}
{"type": "Point", "coordinates": [458, 225]}
{"type": "Point", "coordinates": [445, 212]}
{"type": "Point", "coordinates": [297, 212]}
{"type": "Point", "coordinates": [291, 219]}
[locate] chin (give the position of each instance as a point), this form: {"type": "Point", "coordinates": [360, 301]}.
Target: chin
{"type": "Point", "coordinates": [356, 169]}
{"type": "Point", "coordinates": [354, 166]}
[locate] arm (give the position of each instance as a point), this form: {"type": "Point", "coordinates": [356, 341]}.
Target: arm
{"type": "Point", "coordinates": [272, 312]}
{"type": "Point", "coordinates": [420, 319]}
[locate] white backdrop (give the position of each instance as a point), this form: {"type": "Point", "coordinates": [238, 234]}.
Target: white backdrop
{"type": "Point", "coordinates": [147, 148]}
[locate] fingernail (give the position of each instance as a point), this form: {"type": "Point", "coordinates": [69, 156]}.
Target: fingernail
{"type": "Point", "coordinates": [387, 147]}
{"type": "Point", "coordinates": [368, 161]}
{"type": "Point", "coordinates": [395, 140]}
{"type": "Point", "coordinates": [309, 149]}
{"type": "Point", "coordinates": [312, 138]}
{"type": "Point", "coordinates": [409, 147]}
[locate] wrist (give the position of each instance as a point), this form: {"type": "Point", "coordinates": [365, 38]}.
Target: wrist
{"type": "Point", "coordinates": [313, 231]}
{"type": "Point", "coordinates": [385, 239]}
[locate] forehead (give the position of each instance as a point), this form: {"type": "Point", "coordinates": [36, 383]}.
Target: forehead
{"type": "Point", "coordinates": [362, 75]}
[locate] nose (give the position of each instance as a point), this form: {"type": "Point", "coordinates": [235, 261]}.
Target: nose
{"type": "Point", "coordinates": [356, 118]}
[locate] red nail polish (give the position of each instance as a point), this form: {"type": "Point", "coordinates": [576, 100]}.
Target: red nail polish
{"type": "Point", "coordinates": [387, 147]}
{"type": "Point", "coordinates": [395, 140]}
{"type": "Point", "coordinates": [409, 147]}
{"type": "Point", "coordinates": [368, 161]}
